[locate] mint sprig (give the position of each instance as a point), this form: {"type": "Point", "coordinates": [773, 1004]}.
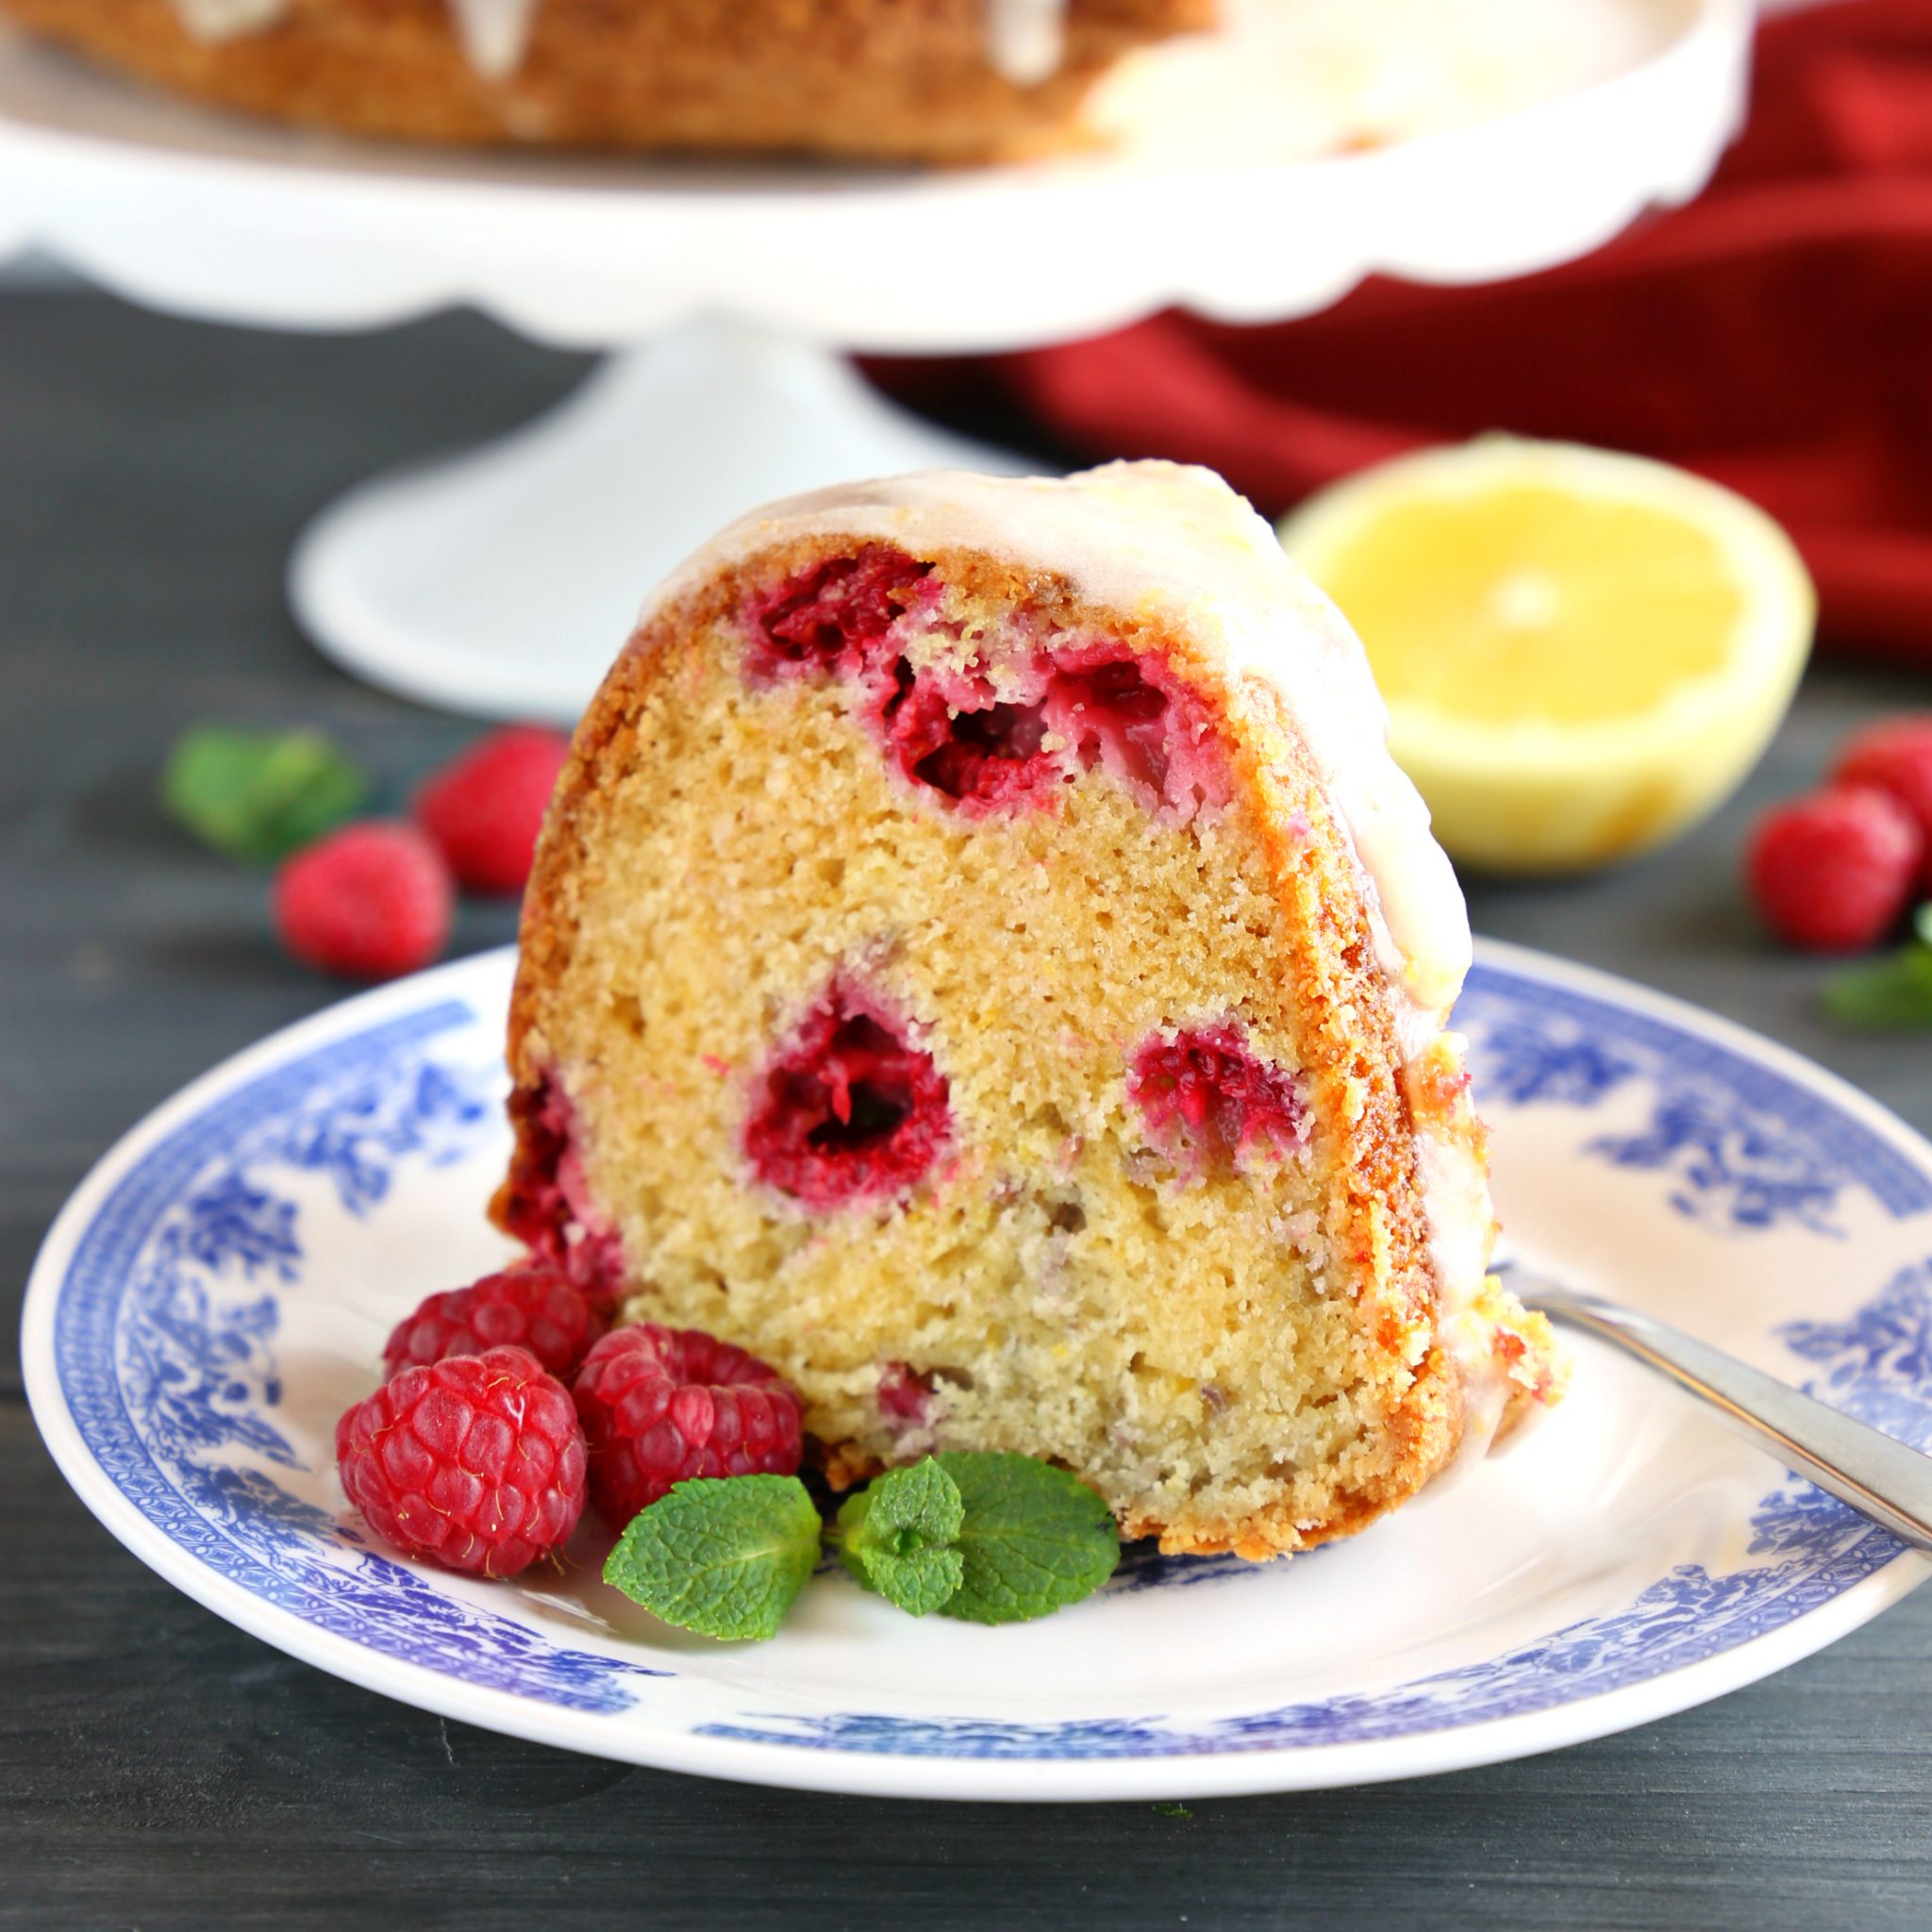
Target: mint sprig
{"type": "Point", "coordinates": [259, 795]}
{"type": "Point", "coordinates": [1888, 995]}
{"type": "Point", "coordinates": [897, 1536]}
{"type": "Point", "coordinates": [721, 1555]}
{"type": "Point", "coordinates": [990, 1537]}
{"type": "Point", "coordinates": [1035, 1538]}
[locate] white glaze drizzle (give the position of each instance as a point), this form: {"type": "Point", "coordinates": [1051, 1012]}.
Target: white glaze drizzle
{"type": "Point", "coordinates": [1026, 40]}
{"type": "Point", "coordinates": [495, 34]}
{"type": "Point", "coordinates": [228, 20]}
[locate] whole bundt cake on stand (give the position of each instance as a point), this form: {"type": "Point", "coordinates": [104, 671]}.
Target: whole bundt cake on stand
{"type": "Point", "coordinates": [931, 80]}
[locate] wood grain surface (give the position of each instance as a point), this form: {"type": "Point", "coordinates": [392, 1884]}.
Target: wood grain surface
{"type": "Point", "coordinates": [160, 1769]}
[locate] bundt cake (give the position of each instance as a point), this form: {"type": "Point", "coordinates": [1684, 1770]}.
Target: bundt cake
{"type": "Point", "coordinates": [981, 959]}
{"type": "Point", "coordinates": [937, 80]}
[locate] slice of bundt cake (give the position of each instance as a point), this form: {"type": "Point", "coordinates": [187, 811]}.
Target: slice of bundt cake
{"type": "Point", "coordinates": [982, 960]}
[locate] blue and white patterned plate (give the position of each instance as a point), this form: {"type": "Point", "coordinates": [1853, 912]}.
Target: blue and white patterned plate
{"type": "Point", "coordinates": [218, 1291]}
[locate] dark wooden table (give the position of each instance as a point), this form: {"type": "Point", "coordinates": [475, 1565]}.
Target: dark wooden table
{"type": "Point", "coordinates": [158, 1769]}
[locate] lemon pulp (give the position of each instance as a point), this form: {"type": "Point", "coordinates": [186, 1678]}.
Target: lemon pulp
{"type": "Point", "coordinates": [1582, 652]}
{"type": "Point", "coordinates": [1526, 602]}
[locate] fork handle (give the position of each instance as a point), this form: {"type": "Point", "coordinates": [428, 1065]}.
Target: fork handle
{"type": "Point", "coordinates": [1888, 1481]}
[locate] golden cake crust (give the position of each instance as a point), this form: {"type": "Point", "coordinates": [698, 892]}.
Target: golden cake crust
{"type": "Point", "coordinates": [1369, 1107]}
{"type": "Point", "coordinates": [881, 80]}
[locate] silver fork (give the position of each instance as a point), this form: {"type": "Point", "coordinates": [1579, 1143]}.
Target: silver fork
{"type": "Point", "coordinates": [1887, 1481]}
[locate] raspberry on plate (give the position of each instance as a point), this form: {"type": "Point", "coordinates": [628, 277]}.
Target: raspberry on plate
{"type": "Point", "coordinates": [660, 1404]}
{"type": "Point", "coordinates": [485, 809]}
{"type": "Point", "coordinates": [371, 900]}
{"type": "Point", "coordinates": [1894, 756]}
{"type": "Point", "coordinates": [530, 1305]}
{"type": "Point", "coordinates": [1833, 871]}
{"type": "Point", "coordinates": [475, 1462]}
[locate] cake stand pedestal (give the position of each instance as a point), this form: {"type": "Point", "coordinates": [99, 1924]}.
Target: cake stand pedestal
{"type": "Point", "coordinates": [499, 582]}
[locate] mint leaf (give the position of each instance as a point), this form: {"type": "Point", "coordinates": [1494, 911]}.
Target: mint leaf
{"type": "Point", "coordinates": [852, 1514]}
{"type": "Point", "coordinates": [915, 1506]}
{"type": "Point", "coordinates": [1034, 1536]}
{"type": "Point", "coordinates": [898, 1535]}
{"type": "Point", "coordinates": [259, 795]}
{"type": "Point", "coordinates": [1884, 995]}
{"type": "Point", "coordinates": [722, 1556]}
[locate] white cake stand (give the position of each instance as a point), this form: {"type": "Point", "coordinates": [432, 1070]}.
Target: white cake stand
{"type": "Point", "coordinates": [498, 583]}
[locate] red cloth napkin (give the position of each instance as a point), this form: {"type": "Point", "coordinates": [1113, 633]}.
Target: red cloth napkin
{"type": "Point", "coordinates": [1776, 334]}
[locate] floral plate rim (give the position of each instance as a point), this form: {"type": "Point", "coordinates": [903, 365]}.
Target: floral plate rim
{"type": "Point", "coordinates": [849, 1762]}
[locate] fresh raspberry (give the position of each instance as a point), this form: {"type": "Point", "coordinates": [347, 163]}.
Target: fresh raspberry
{"type": "Point", "coordinates": [485, 809]}
{"type": "Point", "coordinates": [662, 1405]}
{"type": "Point", "coordinates": [369, 902]}
{"type": "Point", "coordinates": [530, 1305]}
{"type": "Point", "coordinates": [1896, 756]}
{"type": "Point", "coordinates": [475, 1463]}
{"type": "Point", "coordinates": [1832, 872]}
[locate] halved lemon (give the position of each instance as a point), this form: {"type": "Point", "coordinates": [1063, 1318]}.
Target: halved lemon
{"type": "Point", "coordinates": [1582, 652]}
